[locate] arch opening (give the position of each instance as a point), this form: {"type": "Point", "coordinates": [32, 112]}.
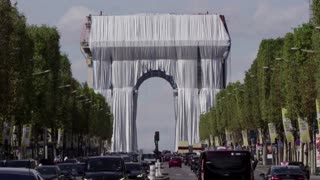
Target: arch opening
{"type": "Point", "coordinates": [155, 112]}
{"type": "Point", "coordinates": [156, 73]}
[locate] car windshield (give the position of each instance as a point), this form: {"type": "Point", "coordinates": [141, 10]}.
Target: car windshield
{"type": "Point", "coordinates": [16, 177]}
{"type": "Point", "coordinates": [228, 160]}
{"type": "Point", "coordinates": [104, 164]}
{"type": "Point", "coordinates": [134, 167]}
{"type": "Point", "coordinates": [47, 170]}
{"type": "Point", "coordinates": [286, 170]}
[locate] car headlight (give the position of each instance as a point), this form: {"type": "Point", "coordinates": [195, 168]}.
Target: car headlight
{"type": "Point", "coordinates": [87, 178]}
{"type": "Point", "coordinates": [122, 178]}
{"type": "Point", "coordinates": [140, 175]}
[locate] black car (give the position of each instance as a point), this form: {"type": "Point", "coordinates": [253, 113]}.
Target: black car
{"type": "Point", "coordinates": [19, 174]}
{"type": "Point", "coordinates": [80, 168]}
{"type": "Point", "coordinates": [2, 163]}
{"type": "Point", "coordinates": [126, 158]}
{"type": "Point", "coordinates": [304, 168]}
{"type": "Point", "coordinates": [71, 161]}
{"type": "Point", "coordinates": [135, 170]}
{"type": "Point", "coordinates": [31, 164]}
{"type": "Point", "coordinates": [69, 170]}
{"type": "Point", "coordinates": [194, 163]}
{"type": "Point", "coordinates": [49, 172]}
{"type": "Point", "coordinates": [284, 172]}
{"type": "Point", "coordinates": [105, 168]}
{"type": "Point", "coordinates": [187, 158]}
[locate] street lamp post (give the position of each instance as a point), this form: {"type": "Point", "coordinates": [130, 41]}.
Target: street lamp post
{"type": "Point", "coordinates": [64, 86]}
{"type": "Point", "coordinates": [41, 72]}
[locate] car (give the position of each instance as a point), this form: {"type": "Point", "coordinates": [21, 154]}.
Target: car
{"type": "Point", "coordinates": [175, 162]}
{"type": "Point", "coordinates": [26, 163]}
{"type": "Point", "coordinates": [225, 164]}
{"type": "Point", "coordinates": [2, 163]}
{"type": "Point", "coordinates": [284, 172]}
{"type": "Point", "coordinates": [50, 172]}
{"type": "Point", "coordinates": [19, 174]}
{"type": "Point", "coordinates": [195, 163]}
{"type": "Point", "coordinates": [304, 168]}
{"type": "Point", "coordinates": [187, 157]}
{"type": "Point", "coordinates": [71, 161]}
{"type": "Point", "coordinates": [135, 170]}
{"type": "Point", "coordinates": [149, 159]}
{"type": "Point", "coordinates": [69, 170]}
{"type": "Point", "coordinates": [126, 158]}
{"type": "Point", "coordinates": [80, 169]}
{"type": "Point", "coordinates": [106, 167]}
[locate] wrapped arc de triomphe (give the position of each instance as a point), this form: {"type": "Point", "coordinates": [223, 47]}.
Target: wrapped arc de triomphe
{"type": "Point", "coordinates": [189, 51]}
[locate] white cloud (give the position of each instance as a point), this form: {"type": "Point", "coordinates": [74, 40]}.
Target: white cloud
{"type": "Point", "coordinates": [72, 22]}
{"type": "Point", "coordinates": [79, 69]}
{"type": "Point", "coordinates": [70, 26]}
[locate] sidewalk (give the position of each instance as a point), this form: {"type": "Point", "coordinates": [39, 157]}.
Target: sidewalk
{"type": "Point", "coordinates": [314, 177]}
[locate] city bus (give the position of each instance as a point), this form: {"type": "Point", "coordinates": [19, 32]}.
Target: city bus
{"type": "Point", "coordinates": [226, 165]}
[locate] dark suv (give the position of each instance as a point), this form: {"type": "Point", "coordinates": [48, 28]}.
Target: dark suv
{"type": "Point", "coordinates": [105, 168]}
{"type": "Point", "coordinates": [304, 168]}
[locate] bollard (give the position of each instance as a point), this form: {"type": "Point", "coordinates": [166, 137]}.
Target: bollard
{"type": "Point", "coordinates": [158, 168]}
{"type": "Point", "coordinates": [152, 173]}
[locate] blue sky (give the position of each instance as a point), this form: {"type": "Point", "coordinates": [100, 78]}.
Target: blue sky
{"type": "Point", "coordinates": [249, 22]}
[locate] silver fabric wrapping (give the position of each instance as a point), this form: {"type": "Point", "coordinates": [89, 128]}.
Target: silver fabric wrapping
{"type": "Point", "coordinates": [189, 48]}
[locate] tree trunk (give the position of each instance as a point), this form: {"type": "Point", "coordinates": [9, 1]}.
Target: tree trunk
{"type": "Point", "coordinates": [264, 154]}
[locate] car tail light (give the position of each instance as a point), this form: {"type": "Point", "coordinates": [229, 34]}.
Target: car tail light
{"type": "Point", "coordinates": [275, 178]}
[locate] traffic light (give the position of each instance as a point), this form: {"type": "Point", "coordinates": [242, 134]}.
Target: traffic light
{"type": "Point", "coordinates": [156, 136]}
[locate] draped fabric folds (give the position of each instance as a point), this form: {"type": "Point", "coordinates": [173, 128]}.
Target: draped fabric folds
{"type": "Point", "coordinates": [191, 49]}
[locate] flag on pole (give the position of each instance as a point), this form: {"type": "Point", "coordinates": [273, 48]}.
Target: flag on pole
{"type": "Point", "coordinates": [49, 135]}
{"type": "Point", "coordinates": [216, 141]}
{"type": "Point", "coordinates": [318, 113]}
{"type": "Point", "coordinates": [260, 136]}
{"type": "Point", "coordinates": [287, 126]}
{"type": "Point", "coordinates": [6, 133]}
{"type": "Point", "coordinates": [304, 131]}
{"type": "Point", "coordinates": [228, 137]}
{"type": "Point", "coordinates": [211, 141]}
{"type": "Point", "coordinates": [14, 132]}
{"type": "Point", "coordinates": [245, 137]}
{"type": "Point", "coordinates": [60, 138]}
{"type": "Point", "coordinates": [273, 132]}
{"type": "Point", "coordinates": [26, 135]}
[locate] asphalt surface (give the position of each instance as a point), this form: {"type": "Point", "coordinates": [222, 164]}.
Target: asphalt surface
{"type": "Point", "coordinates": [185, 173]}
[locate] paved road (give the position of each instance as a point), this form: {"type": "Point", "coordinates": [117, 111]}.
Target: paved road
{"type": "Point", "coordinates": [185, 173]}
